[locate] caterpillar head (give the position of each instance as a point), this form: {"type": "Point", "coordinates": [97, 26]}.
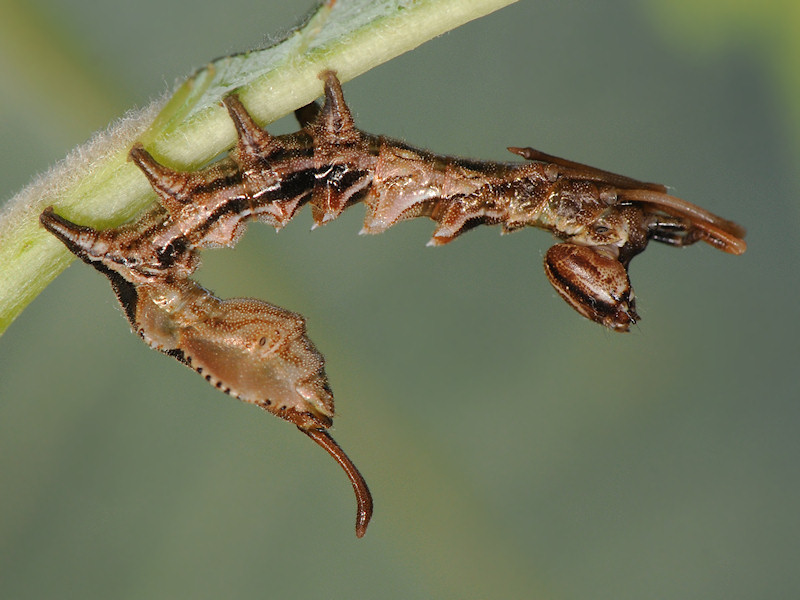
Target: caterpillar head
{"type": "Point", "coordinates": [594, 282]}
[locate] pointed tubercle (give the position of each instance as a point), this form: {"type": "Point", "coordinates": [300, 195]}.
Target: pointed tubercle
{"type": "Point", "coordinates": [252, 139]}
{"type": "Point", "coordinates": [334, 117]}
{"type": "Point", "coordinates": [78, 239]}
{"type": "Point", "coordinates": [171, 186]}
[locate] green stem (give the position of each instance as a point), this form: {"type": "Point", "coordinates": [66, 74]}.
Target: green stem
{"type": "Point", "coordinates": [96, 186]}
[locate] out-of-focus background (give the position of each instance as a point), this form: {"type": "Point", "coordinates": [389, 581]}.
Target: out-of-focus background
{"type": "Point", "coordinates": [514, 449]}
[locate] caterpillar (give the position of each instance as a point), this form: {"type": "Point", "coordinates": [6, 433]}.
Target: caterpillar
{"type": "Point", "coordinates": [261, 353]}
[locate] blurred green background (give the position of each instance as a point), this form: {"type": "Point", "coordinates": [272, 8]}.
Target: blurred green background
{"type": "Point", "coordinates": [514, 449]}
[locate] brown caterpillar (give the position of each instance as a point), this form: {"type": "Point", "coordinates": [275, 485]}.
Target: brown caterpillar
{"type": "Point", "coordinates": [260, 353]}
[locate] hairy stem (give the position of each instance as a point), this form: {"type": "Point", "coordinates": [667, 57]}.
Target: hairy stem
{"type": "Point", "coordinates": [96, 186]}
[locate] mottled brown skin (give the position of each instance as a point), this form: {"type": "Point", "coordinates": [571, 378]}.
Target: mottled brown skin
{"type": "Point", "coordinates": [261, 353]}
{"type": "Point", "coordinates": [593, 283]}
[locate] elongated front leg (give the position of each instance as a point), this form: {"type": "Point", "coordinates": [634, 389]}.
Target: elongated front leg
{"type": "Point", "coordinates": [664, 211]}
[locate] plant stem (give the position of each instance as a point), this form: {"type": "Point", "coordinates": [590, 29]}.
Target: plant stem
{"type": "Point", "coordinates": [96, 186]}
